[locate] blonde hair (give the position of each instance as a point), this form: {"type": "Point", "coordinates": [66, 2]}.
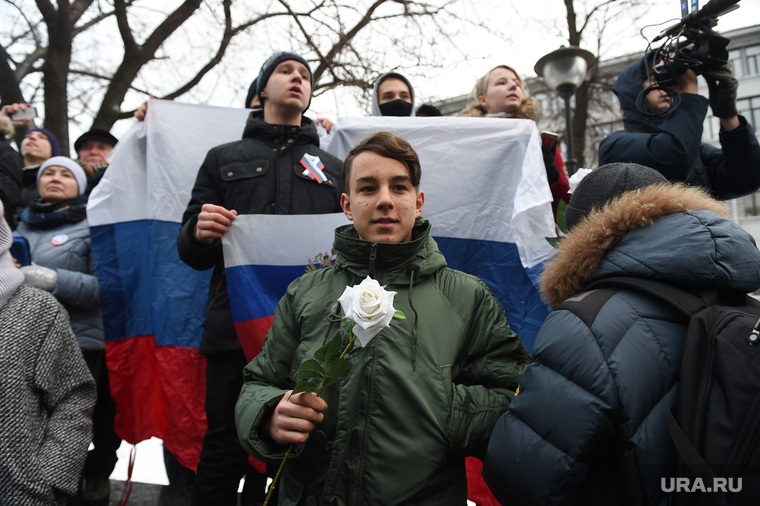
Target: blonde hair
{"type": "Point", "coordinates": [529, 108]}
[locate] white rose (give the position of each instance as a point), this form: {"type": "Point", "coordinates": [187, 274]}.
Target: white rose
{"type": "Point", "coordinates": [368, 305]}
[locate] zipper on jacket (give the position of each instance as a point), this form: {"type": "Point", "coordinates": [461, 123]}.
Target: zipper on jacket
{"type": "Point", "coordinates": [372, 258]}
{"type": "Point", "coordinates": [36, 245]}
{"type": "Point", "coordinates": [414, 271]}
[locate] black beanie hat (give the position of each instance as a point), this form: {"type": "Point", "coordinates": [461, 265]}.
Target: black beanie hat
{"type": "Point", "coordinates": [55, 147]}
{"type": "Point", "coordinates": [268, 67]}
{"type": "Point", "coordinates": [604, 184]}
{"type": "Point", "coordinates": [251, 93]}
{"type": "Point", "coordinates": [97, 134]}
{"type": "Point", "coordinates": [428, 110]}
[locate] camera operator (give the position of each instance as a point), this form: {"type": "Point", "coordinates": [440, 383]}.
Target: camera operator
{"type": "Point", "coordinates": [674, 145]}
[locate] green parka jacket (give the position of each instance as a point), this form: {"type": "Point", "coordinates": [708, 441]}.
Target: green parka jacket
{"type": "Point", "coordinates": [424, 394]}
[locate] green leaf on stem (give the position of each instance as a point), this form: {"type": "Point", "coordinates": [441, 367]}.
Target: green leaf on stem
{"type": "Point", "coordinates": [399, 315]}
{"type": "Point", "coordinates": [330, 350]}
{"type": "Point", "coordinates": [310, 369]}
{"type": "Point", "coordinates": [327, 349]}
{"type": "Point", "coordinates": [304, 386]}
{"type": "Point", "coordinates": [338, 369]}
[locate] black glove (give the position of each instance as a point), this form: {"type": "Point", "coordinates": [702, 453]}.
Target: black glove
{"type": "Point", "coordinates": [722, 85]}
{"type": "Point", "coordinates": [549, 151]}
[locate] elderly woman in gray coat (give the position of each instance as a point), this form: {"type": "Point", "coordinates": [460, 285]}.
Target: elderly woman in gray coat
{"type": "Point", "coordinates": [59, 238]}
{"type": "Point", "coordinates": [46, 390]}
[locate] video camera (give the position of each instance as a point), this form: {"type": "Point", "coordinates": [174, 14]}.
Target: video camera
{"type": "Point", "coordinates": [691, 43]}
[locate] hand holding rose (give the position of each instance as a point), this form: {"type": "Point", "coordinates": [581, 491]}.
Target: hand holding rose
{"type": "Point", "coordinates": [369, 309]}
{"type": "Point", "coordinates": [294, 417]}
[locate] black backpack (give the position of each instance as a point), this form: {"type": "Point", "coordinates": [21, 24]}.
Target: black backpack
{"type": "Point", "coordinates": [716, 425]}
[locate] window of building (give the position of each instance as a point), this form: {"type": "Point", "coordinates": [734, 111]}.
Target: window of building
{"type": "Point", "coordinates": [546, 104]}
{"type": "Point", "coordinates": [750, 109]}
{"type": "Point", "coordinates": [747, 107]}
{"type": "Point", "coordinates": [737, 65]}
{"type": "Point", "coordinates": [711, 129]}
{"type": "Point", "coordinates": [752, 59]}
{"type": "Point", "coordinates": [750, 205]}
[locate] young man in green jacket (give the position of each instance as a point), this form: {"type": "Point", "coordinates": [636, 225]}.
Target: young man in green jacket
{"type": "Point", "coordinates": [421, 396]}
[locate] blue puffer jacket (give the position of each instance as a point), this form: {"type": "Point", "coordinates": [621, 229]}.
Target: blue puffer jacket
{"type": "Point", "coordinates": [67, 250]}
{"type": "Point", "coordinates": [675, 148]}
{"type": "Point", "coordinates": [593, 392]}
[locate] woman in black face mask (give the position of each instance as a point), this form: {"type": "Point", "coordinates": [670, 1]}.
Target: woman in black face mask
{"type": "Point", "coordinates": [393, 95]}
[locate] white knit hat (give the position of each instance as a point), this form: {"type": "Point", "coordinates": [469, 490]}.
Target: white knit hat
{"type": "Point", "coordinates": [10, 277]}
{"type": "Point", "coordinates": [66, 163]}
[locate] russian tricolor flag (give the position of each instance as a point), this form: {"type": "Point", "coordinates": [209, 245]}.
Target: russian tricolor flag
{"type": "Point", "coordinates": [486, 195]}
{"type": "Point", "coordinates": [153, 304]}
{"type": "Point", "coordinates": [293, 246]}
{"type": "Point", "coordinates": [313, 168]}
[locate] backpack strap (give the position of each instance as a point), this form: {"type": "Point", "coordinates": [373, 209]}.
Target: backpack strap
{"type": "Point", "coordinates": [687, 450]}
{"type": "Point", "coordinates": [587, 304]}
{"type": "Point", "coordinates": [688, 303]}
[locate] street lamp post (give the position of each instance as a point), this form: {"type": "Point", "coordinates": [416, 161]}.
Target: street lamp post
{"type": "Point", "coordinates": [564, 70]}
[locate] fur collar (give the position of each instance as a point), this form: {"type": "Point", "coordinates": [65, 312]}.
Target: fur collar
{"type": "Point", "coordinates": [582, 250]}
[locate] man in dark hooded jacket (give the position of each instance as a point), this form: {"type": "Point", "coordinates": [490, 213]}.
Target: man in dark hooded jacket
{"type": "Point", "coordinates": [589, 424]}
{"type": "Point", "coordinates": [674, 146]}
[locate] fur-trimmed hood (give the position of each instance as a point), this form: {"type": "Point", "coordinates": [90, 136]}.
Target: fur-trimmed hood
{"type": "Point", "coordinates": [668, 232]}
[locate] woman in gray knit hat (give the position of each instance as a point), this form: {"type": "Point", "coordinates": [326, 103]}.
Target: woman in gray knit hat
{"type": "Point", "coordinates": [47, 392]}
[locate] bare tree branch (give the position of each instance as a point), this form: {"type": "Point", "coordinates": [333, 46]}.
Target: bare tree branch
{"type": "Point", "coordinates": [346, 38]}
{"type": "Point", "coordinates": [120, 10]}
{"type": "Point", "coordinates": [135, 57]}
{"type": "Point", "coordinates": [229, 33]}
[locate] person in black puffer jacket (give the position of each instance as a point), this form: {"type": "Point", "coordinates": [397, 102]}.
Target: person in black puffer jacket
{"type": "Point", "coordinates": [263, 173]}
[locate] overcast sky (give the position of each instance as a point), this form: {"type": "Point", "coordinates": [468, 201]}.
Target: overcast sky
{"type": "Point", "coordinates": [519, 33]}
{"type": "Point", "coordinates": [525, 31]}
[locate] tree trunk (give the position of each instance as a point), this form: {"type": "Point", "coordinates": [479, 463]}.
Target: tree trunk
{"type": "Point", "coordinates": [55, 72]}
{"type": "Point", "coordinates": [135, 56]}
{"type": "Point", "coordinates": [10, 92]}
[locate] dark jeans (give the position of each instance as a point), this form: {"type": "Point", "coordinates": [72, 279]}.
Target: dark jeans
{"type": "Point", "coordinates": [223, 461]}
{"type": "Point", "coordinates": [102, 458]}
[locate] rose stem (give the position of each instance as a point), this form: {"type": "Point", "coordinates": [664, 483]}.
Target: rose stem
{"type": "Point", "coordinates": [290, 447]}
